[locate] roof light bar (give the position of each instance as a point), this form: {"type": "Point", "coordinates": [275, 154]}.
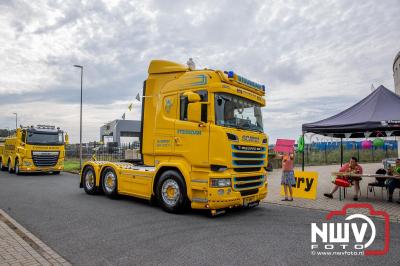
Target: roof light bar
{"type": "Point", "coordinates": [244, 81]}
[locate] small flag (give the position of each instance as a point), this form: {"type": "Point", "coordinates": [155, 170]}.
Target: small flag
{"type": "Point", "coordinates": [130, 107]}
{"type": "Point", "coordinates": [138, 97]}
{"type": "Point", "coordinates": [123, 116]}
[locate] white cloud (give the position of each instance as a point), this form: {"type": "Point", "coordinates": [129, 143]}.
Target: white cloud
{"type": "Point", "coordinates": [66, 116]}
{"type": "Point", "coordinates": [316, 58]}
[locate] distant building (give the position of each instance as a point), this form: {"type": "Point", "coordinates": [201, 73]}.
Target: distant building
{"type": "Point", "coordinates": [120, 131]}
{"type": "Point", "coordinates": [396, 73]}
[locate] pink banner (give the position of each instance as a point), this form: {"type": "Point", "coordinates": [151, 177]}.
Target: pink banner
{"type": "Point", "coordinates": [284, 145]}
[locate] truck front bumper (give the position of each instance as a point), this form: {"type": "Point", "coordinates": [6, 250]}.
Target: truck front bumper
{"type": "Point", "coordinates": [32, 169]}
{"type": "Point", "coordinates": [27, 166]}
{"type": "Point", "coordinates": [224, 198]}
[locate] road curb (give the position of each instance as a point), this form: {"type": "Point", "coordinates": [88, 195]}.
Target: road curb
{"type": "Point", "coordinates": [49, 256]}
{"type": "Point", "coordinates": [71, 172]}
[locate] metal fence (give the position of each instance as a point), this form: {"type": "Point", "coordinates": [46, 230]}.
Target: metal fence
{"type": "Point", "coordinates": [111, 152]}
{"type": "Point", "coordinates": [315, 155]}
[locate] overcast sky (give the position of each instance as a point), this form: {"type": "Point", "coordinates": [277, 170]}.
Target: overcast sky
{"type": "Point", "coordinates": [315, 57]}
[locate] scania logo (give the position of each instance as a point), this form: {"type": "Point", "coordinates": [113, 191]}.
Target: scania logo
{"type": "Point", "coordinates": [250, 139]}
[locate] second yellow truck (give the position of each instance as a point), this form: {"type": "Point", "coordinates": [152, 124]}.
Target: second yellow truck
{"type": "Point", "coordinates": [202, 143]}
{"type": "Point", "coordinates": [33, 149]}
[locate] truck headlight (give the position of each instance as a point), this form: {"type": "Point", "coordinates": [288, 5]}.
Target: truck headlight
{"type": "Point", "coordinates": [220, 182]}
{"type": "Point", "coordinates": [27, 163]}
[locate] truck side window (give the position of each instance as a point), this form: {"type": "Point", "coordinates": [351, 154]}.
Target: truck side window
{"type": "Point", "coordinates": [203, 95]}
{"type": "Point", "coordinates": [23, 136]}
{"type": "Point", "coordinates": [184, 106]}
{"type": "Point", "coordinates": [204, 98]}
{"type": "Point", "coordinates": [204, 113]}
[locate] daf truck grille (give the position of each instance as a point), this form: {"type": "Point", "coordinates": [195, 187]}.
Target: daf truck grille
{"type": "Point", "coordinates": [248, 156]}
{"type": "Point", "coordinates": [248, 182]}
{"type": "Point", "coordinates": [45, 158]}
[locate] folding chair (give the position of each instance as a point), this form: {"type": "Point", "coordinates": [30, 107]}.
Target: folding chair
{"type": "Point", "coordinates": [380, 182]}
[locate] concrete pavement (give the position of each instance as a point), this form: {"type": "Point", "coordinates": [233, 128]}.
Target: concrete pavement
{"type": "Point", "coordinates": [19, 247]}
{"type": "Point", "coordinates": [325, 185]}
{"type": "Point", "coordinates": [94, 230]}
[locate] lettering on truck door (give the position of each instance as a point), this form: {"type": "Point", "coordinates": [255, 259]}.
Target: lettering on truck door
{"type": "Point", "coordinates": [164, 132]}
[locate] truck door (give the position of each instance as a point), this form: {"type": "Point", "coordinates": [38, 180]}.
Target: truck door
{"type": "Point", "coordinates": [191, 139]}
{"type": "Point", "coordinates": [164, 128]}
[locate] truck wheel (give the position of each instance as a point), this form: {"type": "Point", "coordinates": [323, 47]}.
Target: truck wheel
{"type": "Point", "coordinates": [56, 172]}
{"type": "Point", "coordinates": [10, 170]}
{"type": "Point", "coordinates": [89, 180]}
{"type": "Point", "coordinates": [16, 167]}
{"type": "Point", "coordinates": [171, 192]}
{"type": "Point", "coordinates": [110, 182]}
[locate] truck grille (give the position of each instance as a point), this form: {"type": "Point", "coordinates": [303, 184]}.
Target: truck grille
{"type": "Point", "coordinates": [248, 156]}
{"type": "Point", "coordinates": [45, 158]}
{"type": "Point", "coordinates": [249, 192]}
{"type": "Point", "coordinates": [248, 182]}
{"type": "Point", "coordinates": [247, 169]}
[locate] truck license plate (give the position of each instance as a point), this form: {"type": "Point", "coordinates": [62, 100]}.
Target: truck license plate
{"type": "Point", "coordinates": [248, 201]}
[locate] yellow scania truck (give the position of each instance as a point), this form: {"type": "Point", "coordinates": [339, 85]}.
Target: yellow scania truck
{"type": "Point", "coordinates": [202, 143]}
{"type": "Point", "coordinates": [33, 149]}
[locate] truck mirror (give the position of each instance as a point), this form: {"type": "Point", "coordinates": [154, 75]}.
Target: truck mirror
{"type": "Point", "coordinates": [66, 138]}
{"type": "Point", "coordinates": [192, 97]}
{"type": "Point", "coordinates": [194, 112]}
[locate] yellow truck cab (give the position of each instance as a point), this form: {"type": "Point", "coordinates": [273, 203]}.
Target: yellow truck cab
{"type": "Point", "coordinates": [202, 143]}
{"type": "Point", "coordinates": [33, 149]}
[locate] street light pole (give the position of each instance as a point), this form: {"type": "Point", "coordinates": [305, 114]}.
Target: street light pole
{"type": "Point", "coordinates": [16, 120]}
{"type": "Point", "coordinates": [80, 125]}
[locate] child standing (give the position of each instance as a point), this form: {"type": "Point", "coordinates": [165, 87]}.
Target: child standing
{"type": "Point", "coordinates": [287, 179]}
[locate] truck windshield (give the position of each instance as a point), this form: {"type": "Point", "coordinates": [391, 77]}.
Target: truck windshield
{"type": "Point", "coordinates": [45, 138]}
{"type": "Point", "coordinates": [237, 112]}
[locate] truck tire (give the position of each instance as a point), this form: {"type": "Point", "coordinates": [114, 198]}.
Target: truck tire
{"type": "Point", "coordinates": [16, 167]}
{"type": "Point", "coordinates": [110, 182]}
{"type": "Point", "coordinates": [10, 170]}
{"type": "Point", "coordinates": [89, 180]}
{"type": "Point", "coordinates": [171, 192]}
{"type": "Point", "coordinates": [56, 172]}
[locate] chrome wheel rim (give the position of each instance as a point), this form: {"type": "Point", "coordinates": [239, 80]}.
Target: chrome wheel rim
{"type": "Point", "coordinates": [89, 179]}
{"type": "Point", "coordinates": [170, 192]}
{"type": "Point", "coordinates": [110, 182]}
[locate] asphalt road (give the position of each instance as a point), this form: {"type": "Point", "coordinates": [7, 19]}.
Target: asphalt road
{"type": "Point", "coordinates": [94, 230]}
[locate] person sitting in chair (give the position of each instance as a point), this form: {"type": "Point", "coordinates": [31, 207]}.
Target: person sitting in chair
{"type": "Point", "coordinates": [350, 167]}
{"type": "Point", "coordinates": [394, 183]}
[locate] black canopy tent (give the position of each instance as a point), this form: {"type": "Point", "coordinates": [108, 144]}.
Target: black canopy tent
{"type": "Point", "coordinates": [378, 114]}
